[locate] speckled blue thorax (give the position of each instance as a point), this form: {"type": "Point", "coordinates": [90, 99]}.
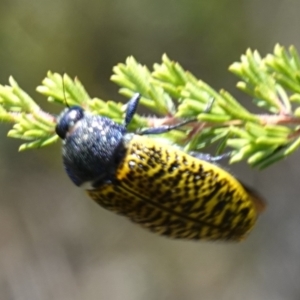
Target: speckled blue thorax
{"type": "Point", "coordinates": [92, 146]}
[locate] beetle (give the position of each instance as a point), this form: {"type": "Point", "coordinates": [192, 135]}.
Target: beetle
{"type": "Point", "coordinates": [164, 189]}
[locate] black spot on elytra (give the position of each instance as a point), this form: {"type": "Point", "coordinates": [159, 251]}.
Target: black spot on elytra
{"type": "Point", "coordinates": [187, 206]}
{"type": "Point", "coordinates": [158, 174]}
{"type": "Point", "coordinates": [227, 218]}
{"type": "Point", "coordinates": [245, 211]}
{"type": "Point", "coordinates": [218, 208]}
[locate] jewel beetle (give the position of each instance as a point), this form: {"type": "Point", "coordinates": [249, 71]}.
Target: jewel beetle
{"type": "Point", "coordinates": [166, 190]}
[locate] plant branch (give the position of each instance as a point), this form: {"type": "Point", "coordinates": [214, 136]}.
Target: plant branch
{"type": "Point", "coordinates": [174, 94]}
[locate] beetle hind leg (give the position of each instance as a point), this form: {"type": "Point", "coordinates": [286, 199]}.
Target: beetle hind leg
{"type": "Point", "coordinates": [208, 157]}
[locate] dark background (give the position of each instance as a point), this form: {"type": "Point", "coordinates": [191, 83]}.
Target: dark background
{"type": "Point", "coordinates": [55, 243]}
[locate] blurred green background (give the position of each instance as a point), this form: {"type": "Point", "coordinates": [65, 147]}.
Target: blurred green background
{"type": "Point", "coordinates": [55, 243]}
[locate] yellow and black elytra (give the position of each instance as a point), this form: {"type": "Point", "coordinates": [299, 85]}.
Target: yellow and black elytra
{"type": "Point", "coordinates": [163, 189]}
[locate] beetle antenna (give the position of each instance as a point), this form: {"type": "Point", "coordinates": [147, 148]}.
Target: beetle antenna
{"type": "Point", "coordinates": [64, 91]}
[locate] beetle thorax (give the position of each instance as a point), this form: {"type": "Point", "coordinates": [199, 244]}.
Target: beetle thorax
{"type": "Point", "coordinates": [93, 150]}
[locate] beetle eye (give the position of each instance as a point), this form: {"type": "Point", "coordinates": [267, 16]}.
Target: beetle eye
{"type": "Point", "coordinates": [67, 120]}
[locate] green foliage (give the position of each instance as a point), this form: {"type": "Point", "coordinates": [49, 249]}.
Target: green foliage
{"type": "Point", "coordinates": [30, 122]}
{"type": "Point", "coordinates": [273, 82]}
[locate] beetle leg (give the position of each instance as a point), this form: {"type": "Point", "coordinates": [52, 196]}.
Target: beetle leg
{"type": "Point", "coordinates": [161, 129]}
{"type": "Point", "coordinates": [164, 128]}
{"type": "Point", "coordinates": [210, 158]}
{"type": "Point", "coordinates": [131, 108]}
